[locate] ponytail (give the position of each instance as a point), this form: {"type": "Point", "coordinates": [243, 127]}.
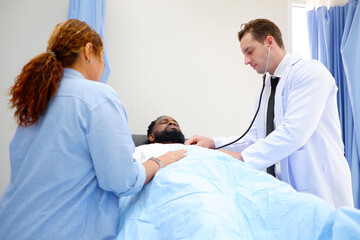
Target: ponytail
{"type": "Point", "coordinates": [39, 79]}
{"type": "Point", "coordinates": [34, 87]}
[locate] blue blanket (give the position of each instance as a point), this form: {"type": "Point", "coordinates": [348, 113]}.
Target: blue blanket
{"type": "Point", "coordinates": [210, 195]}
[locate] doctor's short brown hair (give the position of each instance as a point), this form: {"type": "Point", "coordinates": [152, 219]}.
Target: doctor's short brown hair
{"type": "Point", "coordinates": [260, 29]}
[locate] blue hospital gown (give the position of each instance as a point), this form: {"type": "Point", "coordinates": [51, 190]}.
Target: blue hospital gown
{"type": "Point", "coordinates": [69, 169]}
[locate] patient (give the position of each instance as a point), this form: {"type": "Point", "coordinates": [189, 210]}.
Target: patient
{"type": "Point", "coordinates": [165, 129]}
{"type": "Point", "coordinates": [164, 134]}
{"type": "Point", "coordinates": [211, 195]}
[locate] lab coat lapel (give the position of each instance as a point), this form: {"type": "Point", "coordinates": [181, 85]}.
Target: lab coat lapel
{"type": "Point", "coordinates": [279, 116]}
{"type": "Point", "coordinates": [279, 111]}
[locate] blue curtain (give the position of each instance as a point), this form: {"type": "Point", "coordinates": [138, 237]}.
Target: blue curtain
{"type": "Point", "coordinates": [93, 13]}
{"type": "Point", "coordinates": [334, 35]}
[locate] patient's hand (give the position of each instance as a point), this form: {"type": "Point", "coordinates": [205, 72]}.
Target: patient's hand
{"type": "Point", "coordinates": [236, 155]}
{"type": "Point", "coordinates": [172, 156]}
{"type": "Point", "coordinates": [201, 141]}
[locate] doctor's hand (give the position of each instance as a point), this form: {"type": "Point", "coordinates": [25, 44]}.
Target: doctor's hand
{"type": "Point", "coordinates": [201, 141]}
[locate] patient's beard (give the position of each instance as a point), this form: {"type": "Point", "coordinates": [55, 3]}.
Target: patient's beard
{"type": "Point", "coordinates": [166, 136]}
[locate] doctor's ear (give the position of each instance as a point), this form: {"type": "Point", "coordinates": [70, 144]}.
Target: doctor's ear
{"type": "Point", "coordinates": [269, 41]}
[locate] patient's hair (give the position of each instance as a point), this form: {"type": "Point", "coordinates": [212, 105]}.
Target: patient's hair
{"type": "Point", "coordinates": [39, 79]}
{"type": "Point", "coordinates": [151, 126]}
{"type": "Point", "coordinates": [260, 29]}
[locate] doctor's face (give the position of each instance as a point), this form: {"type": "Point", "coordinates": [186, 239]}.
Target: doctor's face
{"type": "Point", "coordinates": [255, 53]}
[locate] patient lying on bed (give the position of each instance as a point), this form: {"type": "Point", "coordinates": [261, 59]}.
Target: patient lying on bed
{"type": "Point", "coordinates": [210, 195]}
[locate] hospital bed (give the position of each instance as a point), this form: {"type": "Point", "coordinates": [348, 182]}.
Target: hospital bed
{"type": "Point", "coordinates": [139, 139]}
{"type": "Point", "coordinates": [210, 195]}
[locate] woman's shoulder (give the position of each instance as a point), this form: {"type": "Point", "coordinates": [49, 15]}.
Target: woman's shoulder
{"type": "Point", "coordinates": [89, 91]}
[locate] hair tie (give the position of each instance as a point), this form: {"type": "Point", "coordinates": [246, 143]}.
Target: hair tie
{"type": "Point", "coordinates": [51, 52]}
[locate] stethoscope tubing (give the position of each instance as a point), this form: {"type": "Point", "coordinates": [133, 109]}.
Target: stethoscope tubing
{"type": "Point", "coordinates": [253, 120]}
{"type": "Point", "coordinates": [258, 108]}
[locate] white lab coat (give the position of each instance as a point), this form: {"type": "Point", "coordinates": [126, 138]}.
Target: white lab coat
{"type": "Point", "coordinates": [307, 139]}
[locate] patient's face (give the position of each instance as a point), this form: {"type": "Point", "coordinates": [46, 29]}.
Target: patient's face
{"type": "Point", "coordinates": [167, 130]}
{"type": "Point", "coordinates": [166, 122]}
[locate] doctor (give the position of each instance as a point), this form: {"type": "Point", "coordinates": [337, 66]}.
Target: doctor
{"type": "Point", "coordinates": [305, 145]}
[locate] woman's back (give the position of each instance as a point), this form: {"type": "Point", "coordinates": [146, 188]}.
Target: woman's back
{"type": "Point", "coordinates": [54, 185]}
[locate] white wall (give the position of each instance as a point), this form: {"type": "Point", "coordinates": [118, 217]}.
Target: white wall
{"type": "Point", "coordinates": [174, 57]}
{"type": "Point", "coordinates": [182, 58]}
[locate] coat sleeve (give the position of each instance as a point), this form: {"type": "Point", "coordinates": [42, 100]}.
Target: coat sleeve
{"type": "Point", "coordinates": [310, 85]}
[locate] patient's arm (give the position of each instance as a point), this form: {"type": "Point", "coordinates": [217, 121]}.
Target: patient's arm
{"type": "Point", "coordinates": [236, 155]}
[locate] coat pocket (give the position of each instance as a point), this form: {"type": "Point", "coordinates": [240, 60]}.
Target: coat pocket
{"type": "Point", "coordinates": [299, 170]}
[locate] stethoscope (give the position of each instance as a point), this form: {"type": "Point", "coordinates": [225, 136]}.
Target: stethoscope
{"type": "Point", "coordinates": [258, 108]}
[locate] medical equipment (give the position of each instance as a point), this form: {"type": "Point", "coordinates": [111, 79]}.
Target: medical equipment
{"type": "Point", "coordinates": [258, 108]}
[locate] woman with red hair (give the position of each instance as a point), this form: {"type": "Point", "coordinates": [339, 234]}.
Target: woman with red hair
{"type": "Point", "coordinates": [71, 157]}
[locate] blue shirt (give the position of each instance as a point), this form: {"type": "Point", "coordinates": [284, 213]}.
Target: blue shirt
{"type": "Point", "coordinates": [69, 169]}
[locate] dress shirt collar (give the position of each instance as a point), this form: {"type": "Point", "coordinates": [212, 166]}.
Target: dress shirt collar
{"type": "Point", "coordinates": [281, 68]}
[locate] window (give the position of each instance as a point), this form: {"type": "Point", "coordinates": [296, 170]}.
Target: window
{"type": "Point", "coordinates": [300, 39]}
